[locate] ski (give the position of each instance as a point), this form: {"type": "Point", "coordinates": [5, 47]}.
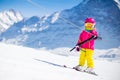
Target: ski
{"type": "Point", "coordinates": [58, 65]}
{"type": "Point", "coordinates": [80, 71]}
{"type": "Point", "coordinates": [88, 72]}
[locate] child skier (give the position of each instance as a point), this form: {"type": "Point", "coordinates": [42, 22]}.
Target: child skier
{"type": "Point", "coordinates": [87, 49]}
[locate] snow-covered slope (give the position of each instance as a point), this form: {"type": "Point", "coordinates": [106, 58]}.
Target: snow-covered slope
{"type": "Point", "coordinates": [61, 29]}
{"type": "Point", "coordinates": [112, 54]}
{"type": "Point", "coordinates": [21, 63]}
{"type": "Point", "coordinates": [8, 18]}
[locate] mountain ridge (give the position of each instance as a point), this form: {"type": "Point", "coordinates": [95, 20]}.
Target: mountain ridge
{"type": "Point", "coordinates": [59, 30]}
{"type": "Point", "coordinates": [8, 18]}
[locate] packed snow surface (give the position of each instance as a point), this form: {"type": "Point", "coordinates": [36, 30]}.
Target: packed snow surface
{"type": "Point", "coordinates": [22, 63]}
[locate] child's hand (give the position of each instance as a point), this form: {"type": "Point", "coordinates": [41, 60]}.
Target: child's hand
{"type": "Point", "coordinates": [77, 48]}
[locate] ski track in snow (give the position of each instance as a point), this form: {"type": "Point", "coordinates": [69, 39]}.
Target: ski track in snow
{"type": "Point", "coordinates": [21, 63]}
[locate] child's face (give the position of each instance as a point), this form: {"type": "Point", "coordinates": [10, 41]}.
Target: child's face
{"type": "Point", "coordinates": [89, 26]}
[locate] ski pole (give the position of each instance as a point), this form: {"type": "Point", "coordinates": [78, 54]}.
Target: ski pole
{"type": "Point", "coordinates": [72, 48]}
{"type": "Point", "coordinates": [83, 42]}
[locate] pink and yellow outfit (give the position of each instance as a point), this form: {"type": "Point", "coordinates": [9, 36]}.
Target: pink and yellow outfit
{"type": "Point", "coordinates": [87, 49]}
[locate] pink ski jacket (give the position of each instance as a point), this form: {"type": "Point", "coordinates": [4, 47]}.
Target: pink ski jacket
{"type": "Point", "coordinates": [84, 36]}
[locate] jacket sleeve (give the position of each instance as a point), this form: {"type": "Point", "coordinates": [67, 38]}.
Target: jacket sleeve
{"type": "Point", "coordinates": [95, 33]}
{"type": "Point", "coordinates": [97, 37]}
{"type": "Point", "coordinates": [80, 39]}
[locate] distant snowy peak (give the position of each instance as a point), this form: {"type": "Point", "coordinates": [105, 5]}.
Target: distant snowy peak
{"type": "Point", "coordinates": [35, 23]}
{"type": "Point", "coordinates": [55, 17]}
{"type": "Point", "coordinates": [118, 3]}
{"type": "Point", "coordinates": [8, 18]}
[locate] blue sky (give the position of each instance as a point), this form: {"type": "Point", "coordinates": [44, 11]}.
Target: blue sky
{"type": "Point", "coordinates": [37, 7]}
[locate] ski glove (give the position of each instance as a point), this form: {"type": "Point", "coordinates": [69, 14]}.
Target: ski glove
{"type": "Point", "coordinates": [77, 48]}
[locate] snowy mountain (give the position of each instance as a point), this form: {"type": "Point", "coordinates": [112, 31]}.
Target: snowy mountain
{"type": "Point", "coordinates": [21, 63]}
{"type": "Point", "coordinates": [118, 3]}
{"type": "Point", "coordinates": [8, 18]}
{"type": "Point", "coordinates": [61, 29]}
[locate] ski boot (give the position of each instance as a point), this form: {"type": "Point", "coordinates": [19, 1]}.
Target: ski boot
{"type": "Point", "coordinates": [78, 68]}
{"type": "Point", "coordinates": [90, 71]}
